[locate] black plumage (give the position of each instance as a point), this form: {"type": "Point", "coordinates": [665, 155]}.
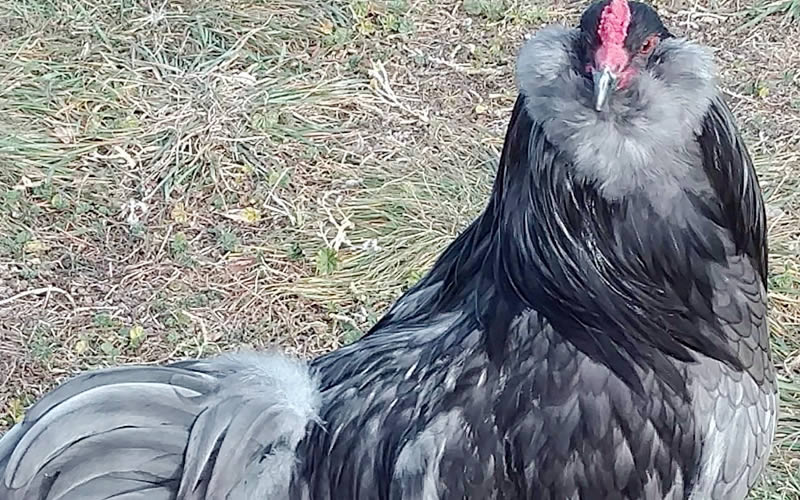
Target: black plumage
{"type": "Point", "coordinates": [599, 331]}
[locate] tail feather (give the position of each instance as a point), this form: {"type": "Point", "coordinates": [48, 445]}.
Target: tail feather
{"type": "Point", "coordinates": [222, 428]}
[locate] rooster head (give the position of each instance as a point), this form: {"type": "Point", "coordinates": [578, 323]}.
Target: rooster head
{"type": "Point", "coordinates": [619, 41]}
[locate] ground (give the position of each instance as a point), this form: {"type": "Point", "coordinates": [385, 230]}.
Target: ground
{"type": "Point", "coordinates": [180, 178]}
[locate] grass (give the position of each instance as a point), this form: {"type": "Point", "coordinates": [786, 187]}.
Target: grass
{"type": "Point", "coordinates": [789, 10]}
{"type": "Point", "coordinates": [179, 178]}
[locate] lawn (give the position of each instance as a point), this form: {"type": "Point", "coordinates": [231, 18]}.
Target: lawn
{"type": "Point", "coordinates": [179, 178]}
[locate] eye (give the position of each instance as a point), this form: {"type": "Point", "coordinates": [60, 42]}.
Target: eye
{"type": "Point", "coordinates": [649, 45]}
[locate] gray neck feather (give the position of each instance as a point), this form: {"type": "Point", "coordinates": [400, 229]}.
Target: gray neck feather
{"type": "Point", "coordinates": [646, 136]}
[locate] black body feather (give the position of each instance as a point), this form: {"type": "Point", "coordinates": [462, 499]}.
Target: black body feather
{"type": "Point", "coordinates": [579, 313]}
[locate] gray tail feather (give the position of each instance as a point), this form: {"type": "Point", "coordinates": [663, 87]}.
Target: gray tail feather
{"type": "Point", "coordinates": [224, 428]}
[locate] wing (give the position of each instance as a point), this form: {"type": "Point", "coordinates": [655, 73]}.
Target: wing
{"type": "Point", "coordinates": [732, 175]}
{"type": "Point", "coordinates": [740, 295]}
{"type": "Point", "coordinates": [736, 414]}
{"type": "Point", "coordinates": [736, 417]}
{"type": "Point", "coordinates": [222, 428]}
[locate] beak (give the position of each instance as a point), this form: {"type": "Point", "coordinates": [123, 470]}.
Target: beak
{"type": "Point", "coordinates": [605, 82]}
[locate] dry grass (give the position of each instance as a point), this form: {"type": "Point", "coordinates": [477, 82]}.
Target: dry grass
{"type": "Point", "coordinates": [178, 178]}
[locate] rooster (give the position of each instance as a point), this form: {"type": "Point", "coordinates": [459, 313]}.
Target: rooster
{"type": "Point", "coordinates": [598, 332]}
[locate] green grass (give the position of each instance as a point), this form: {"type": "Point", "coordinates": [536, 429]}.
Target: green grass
{"type": "Point", "coordinates": [181, 178]}
{"type": "Point", "coordinates": [788, 10]}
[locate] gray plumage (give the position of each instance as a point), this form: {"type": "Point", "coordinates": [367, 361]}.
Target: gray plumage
{"type": "Point", "coordinates": [221, 428]}
{"type": "Point", "coordinates": [599, 332]}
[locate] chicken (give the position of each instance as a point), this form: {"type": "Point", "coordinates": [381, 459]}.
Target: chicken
{"type": "Point", "coordinates": [598, 332]}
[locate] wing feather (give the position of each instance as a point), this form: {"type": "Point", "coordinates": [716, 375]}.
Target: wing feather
{"type": "Point", "coordinates": [733, 176]}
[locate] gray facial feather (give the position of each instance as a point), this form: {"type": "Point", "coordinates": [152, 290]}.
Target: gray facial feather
{"type": "Point", "coordinates": [645, 138]}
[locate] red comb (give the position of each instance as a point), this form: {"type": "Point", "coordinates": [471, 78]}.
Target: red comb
{"type": "Point", "coordinates": [614, 21]}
